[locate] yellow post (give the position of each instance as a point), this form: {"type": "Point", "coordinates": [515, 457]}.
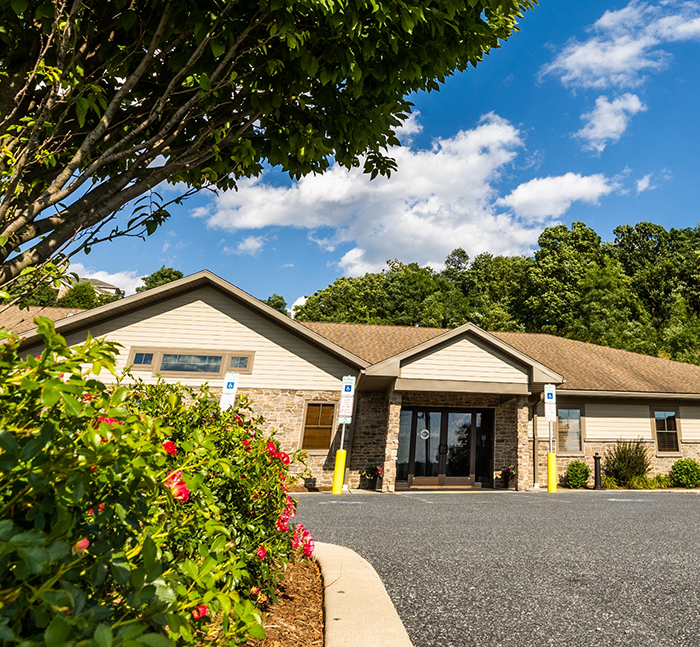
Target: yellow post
{"type": "Point", "coordinates": [339, 473]}
{"type": "Point", "coordinates": [551, 472]}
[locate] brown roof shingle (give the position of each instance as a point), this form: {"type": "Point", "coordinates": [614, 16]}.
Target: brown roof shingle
{"type": "Point", "coordinates": [585, 367]}
{"type": "Point", "coordinates": [20, 321]}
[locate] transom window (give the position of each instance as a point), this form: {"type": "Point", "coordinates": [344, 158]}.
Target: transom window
{"type": "Point", "coordinates": [666, 426]}
{"type": "Point", "coordinates": [191, 363]}
{"type": "Point", "coordinates": [569, 436]}
{"type": "Point", "coordinates": [318, 425]}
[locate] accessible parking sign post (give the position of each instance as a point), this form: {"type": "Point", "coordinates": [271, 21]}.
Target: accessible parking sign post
{"type": "Point", "coordinates": [347, 399]}
{"type": "Point", "coordinates": [550, 415]}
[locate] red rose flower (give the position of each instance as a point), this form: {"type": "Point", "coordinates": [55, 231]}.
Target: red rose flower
{"type": "Point", "coordinates": [170, 447]}
{"type": "Point", "coordinates": [261, 552]}
{"type": "Point", "coordinates": [199, 612]}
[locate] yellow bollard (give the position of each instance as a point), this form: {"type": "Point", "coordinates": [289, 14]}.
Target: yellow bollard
{"type": "Point", "coordinates": [551, 472]}
{"type": "Point", "coordinates": [339, 473]}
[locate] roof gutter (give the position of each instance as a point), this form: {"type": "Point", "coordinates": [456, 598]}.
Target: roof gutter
{"type": "Point", "coordinates": [629, 394]}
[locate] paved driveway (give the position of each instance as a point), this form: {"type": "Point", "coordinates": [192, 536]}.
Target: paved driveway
{"type": "Point", "coordinates": [517, 569]}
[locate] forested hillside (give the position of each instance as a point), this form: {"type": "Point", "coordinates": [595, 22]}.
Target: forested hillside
{"type": "Point", "coordinates": [640, 293]}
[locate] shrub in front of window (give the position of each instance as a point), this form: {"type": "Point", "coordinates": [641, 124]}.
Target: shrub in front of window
{"type": "Point", "coordinates": [685, 473]}
{"type": "Point", "coordinates": [577, 474]}
{"type": "Point", "coordinates": [627, 459]}
{"type": "Point", "coordinates": [115, 527]}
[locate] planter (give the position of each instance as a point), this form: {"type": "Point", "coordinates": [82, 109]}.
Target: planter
{"type": "Point", "coordinates": [375, 484]}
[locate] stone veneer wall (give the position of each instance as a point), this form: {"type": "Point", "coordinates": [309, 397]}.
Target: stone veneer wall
{"type": "Point", "coordinates": [369, 435]}
{"type": "Point", "coordinates": [283, 410]}
{"type": "Point", "coordinates": [659, 464]}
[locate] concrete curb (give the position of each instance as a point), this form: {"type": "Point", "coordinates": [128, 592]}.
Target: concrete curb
{"type": "Point", "coordinates": [358, 610]}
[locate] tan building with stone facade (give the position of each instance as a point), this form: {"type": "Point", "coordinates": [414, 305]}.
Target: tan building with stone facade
{"type": "Point", "coordinates": [435, 408]}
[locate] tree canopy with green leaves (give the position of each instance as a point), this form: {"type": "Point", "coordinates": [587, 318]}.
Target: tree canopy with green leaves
{"type": "Point", "coordinates": [639, 293]}
{"type": "Point", "coordinates": [159, 277]}
{"type": "Point", "coordinates": [100, 102]}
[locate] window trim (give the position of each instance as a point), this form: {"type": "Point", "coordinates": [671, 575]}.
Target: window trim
{"type": "Point", "coordinates": [582, 410]}
{"type": "Point", "coordinates": [653, 408]}
{"type": "Point", "coordinates": [158, 353]}
{"type": "Point", "coordinates": [334, 426]}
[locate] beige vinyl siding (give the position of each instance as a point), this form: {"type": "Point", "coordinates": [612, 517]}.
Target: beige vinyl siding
{"type": "Point", "coordinates": [207, 320]}
{"type": "Point", "coordinates": [465, 360]}
{"type": "Point", "coordinates": [690, 424]}
{"type": "Point", "coordinates": [610, 421]}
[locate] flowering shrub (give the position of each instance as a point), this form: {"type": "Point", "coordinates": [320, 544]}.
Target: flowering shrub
{"type": "Point", "coordinates": [373, 471]}
{"type": "Point", "coordinates": [507, 474]}
{"type": "Point", "coordinates": [119, 527]}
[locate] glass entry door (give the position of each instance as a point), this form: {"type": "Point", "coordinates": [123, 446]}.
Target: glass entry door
{"type": "Point", "coordinates": [445, 447]}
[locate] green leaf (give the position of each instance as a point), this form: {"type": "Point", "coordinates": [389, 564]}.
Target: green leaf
{"type": "Point", "coordinates": [71, 405]}
{"type": "Point", "coordinates": [49, 395]}
{"type": "Point", "coordinates": [19, 6]}
{"type": "Point", "coordinates": [81, 107]}
{"type": "Point", "coordinates": [257, 631]}
{"type": "Point", "coordinates": [32, 448]}
{"type": "Point", "coordinates": [103, 636]}
{"type": "Point", "coordinates": [149, 553]}
{"type": "Point", "coordinates": [8, 443]}
{"type": "Point", "coordinates": [57, 632]}
{"type": "Point", "coordinates": [204, 82]}
{"type": "Point", "coordinates": [154, 640]}
{"type": "Point", "coordinates": [217, 48]}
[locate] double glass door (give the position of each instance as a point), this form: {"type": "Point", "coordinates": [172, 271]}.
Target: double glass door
{"type": "Point", "coordinates": [445, 447]}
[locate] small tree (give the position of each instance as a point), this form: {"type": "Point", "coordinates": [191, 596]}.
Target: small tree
{"type": "Point", "coordinates": [277, 302]}
{"type": "Point", "coordinates": [159, 277]}
{"type": "Point", "coordinates": [81, 295]}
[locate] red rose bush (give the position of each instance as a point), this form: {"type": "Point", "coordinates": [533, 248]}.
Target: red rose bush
{"type": "Point", "coordinates": [133, 515]}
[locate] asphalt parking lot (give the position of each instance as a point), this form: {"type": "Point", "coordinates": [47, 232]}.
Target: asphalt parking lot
{"type": "Point", "coordinates": [521, 569]}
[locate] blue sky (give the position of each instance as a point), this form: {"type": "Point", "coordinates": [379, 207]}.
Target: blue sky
{"type": "Point", "coordinates": [589, 113]}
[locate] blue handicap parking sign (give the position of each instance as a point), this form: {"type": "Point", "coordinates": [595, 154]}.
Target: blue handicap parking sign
{"type": "Point", "coordinates": [348, 387]}
{"type": "Point", "coordinates": [230, 385]}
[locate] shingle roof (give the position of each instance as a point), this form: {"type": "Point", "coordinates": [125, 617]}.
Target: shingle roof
{"type": "Point", "coordinates": [373, 343]}
{"type": "Point", "coordinates": [586, 367]}
{"type": "Point", "coordinates": [19, 321]}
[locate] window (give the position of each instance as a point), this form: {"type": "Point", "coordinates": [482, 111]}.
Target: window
{"type": "Point", "coordinates": [191, 363]}
{"type": "Point", "coordinates": [318, 425]}
{"type": "Point", "coordinates": [666, 427]}
{"type": "Point", "coordinates": [239, 361]}
{"type": "Point", "coordinates": [569, 432]}
{"type": "Point", "coordinates": [143, 359]}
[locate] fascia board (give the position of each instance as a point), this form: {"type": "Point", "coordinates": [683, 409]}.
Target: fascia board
{"type": "Point", "coordinates": [648, 395]}
{"type": "Point", "coordinates": [187, 284]}
{"type": "Point", "coordinates": [388, 366]}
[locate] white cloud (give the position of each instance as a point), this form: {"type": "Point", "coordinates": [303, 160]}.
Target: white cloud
{"type": "Point", "coordinates": [608, 121]}
{"type": "Point", "coordinates": [644, 183]}
{"type": "Point", "coordinates": [625, 45]}
{"type": "Point", "coordinates": [440, 198]}
{"type": "Point", "coordinates": [127, 280]}
{"type": "Point", "coordinates": [299, 302]}
{"type": "Point", "coordinates": [251, 246]}
{"type": "Point", "coordinates": [409, 128]}
{"type": "Point", "coordinates": [552, 196]}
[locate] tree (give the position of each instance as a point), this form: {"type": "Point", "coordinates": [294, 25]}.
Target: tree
{"type": "Point", "coordinates": [277, 302]}
{"type": "Point", "coordinates": [159, 277]}
{"type": "Point", "coordinates": [81, 295]}
{"type": "Point", "coordinates": [100, 102]}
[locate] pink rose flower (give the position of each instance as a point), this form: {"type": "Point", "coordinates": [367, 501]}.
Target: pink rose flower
{"type": "Point", "coordinates": [261, 552]}
{"type": "Point", "coordinates": [177, 486]}
{"type": "Point", "coordinates": [284, 458]}
{"type": "Point", "coordinates": [81, 545]}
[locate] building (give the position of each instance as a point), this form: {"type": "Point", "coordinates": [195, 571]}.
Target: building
{"type": "Point", "coordinates": [435, 408]}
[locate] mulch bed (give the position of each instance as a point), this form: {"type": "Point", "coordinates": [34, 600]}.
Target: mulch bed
{"type": "Point", "coordinates": [296, 620]}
